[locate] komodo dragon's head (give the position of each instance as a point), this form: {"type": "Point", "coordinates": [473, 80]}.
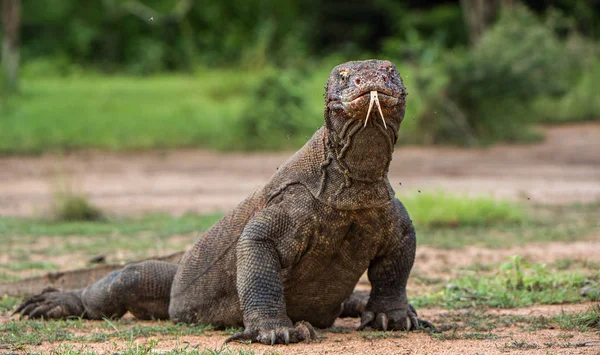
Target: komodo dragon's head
{"type": "Point", "coordinates": [364, 106]}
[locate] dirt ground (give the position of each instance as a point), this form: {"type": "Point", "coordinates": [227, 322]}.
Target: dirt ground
{"type": "Point", "coordinates": [565, 168]}
{"type": "Point", "coordinates": [510, 340]}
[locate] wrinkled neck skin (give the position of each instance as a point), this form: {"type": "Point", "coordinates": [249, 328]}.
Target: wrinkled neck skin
{"type": "Point", "coordinates": [359, 152]}
{"type": "Point", "coordinates": [357, 156]}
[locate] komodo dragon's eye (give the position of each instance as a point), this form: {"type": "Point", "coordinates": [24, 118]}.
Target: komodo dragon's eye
{"type": "Point", "coordinates": [344, 74]}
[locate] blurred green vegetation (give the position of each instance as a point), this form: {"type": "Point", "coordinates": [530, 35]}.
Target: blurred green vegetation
{"type": "Point", "coordinates": [249, 75]}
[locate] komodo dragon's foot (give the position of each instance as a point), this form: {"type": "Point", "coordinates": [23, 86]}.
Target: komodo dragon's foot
{"type": "Point", "coordinates": [394, 320]}
{"type": "Point", "coordinates": [52, 304]}
{"type": "Point", "coordinates": [302, 331]}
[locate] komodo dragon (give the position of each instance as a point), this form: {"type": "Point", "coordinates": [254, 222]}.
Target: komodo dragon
{"type": "Point", "coordinates": [288, 257]}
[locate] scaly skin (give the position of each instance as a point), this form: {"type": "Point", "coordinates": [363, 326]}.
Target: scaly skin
{"type": "Point", "coordinates": [289, 256]}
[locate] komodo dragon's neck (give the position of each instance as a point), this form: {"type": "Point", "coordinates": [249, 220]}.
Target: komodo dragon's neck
{"type": "Point", "coordinates": [344, 174]}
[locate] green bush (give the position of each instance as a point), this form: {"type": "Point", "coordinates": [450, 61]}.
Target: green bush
{"type": "Point", "coordinates": [277, 115]}
{"type": "Point", "coordinates": [487, 92]}
{"type": "Point", "coordinates": [73, 207]}
{"type": "Point", "coordinates": [581, 103]}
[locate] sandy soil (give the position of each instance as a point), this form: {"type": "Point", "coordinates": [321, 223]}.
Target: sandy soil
{"type": "Point", "coordinates": [511, 339]}
{"type": "Point", "coordinates": [565, 168]}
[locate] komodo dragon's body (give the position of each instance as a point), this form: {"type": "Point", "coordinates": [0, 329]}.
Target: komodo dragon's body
{"type": "Point", "coordinates": [294, 250]}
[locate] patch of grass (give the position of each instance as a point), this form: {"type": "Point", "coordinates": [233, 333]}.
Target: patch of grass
{"type": "Point", "coordinates": [480, 336]}
{"type": "Point", "coordinates": [35, 332]}
{"type": "Point", "coordinates": [123, 113]}
{"type": "Point", "coordinates": [74, 207]}
{"type": "Point", "coordinates": [588, 320]}
{"type": "Point", "coordinates": [8, 303]}
{"type": "Point", "coordinates": [125, 239]}
{"type": "Point", "coordinates": [455, 335]}
{"type": "Point", "coordinates": [233, 330]}
{"type": "Point", "coordinates": [7, 277]}
{"type": "Point", "coordinates": [566, 264]}
{"type": "Point", "coordinates": [162, 224]}
{"type": "Point", "coordinates": [30, 265]}
{"type": "Point", "coordinates": [515, 284]}
{"type": "Point", "coordinates": [376, 335]}
{"type": "Point", "coordinates": [520, 345]}
{"type": "Point", "coordinates": [439, 209]}
{"type": "Point", "coordinates": [479, 324]}
{"type": "Point", "coordinates": [543, 224]}
{"type": "Point", "coordinates": [150, 347]}
{"type": "Point", "coordinates": [126, 330]}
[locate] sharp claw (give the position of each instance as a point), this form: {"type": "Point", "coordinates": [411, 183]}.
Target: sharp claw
{"type": "Point", "coordinates": [273, 337]}
{"type": "Point", "coordinates": [383, 321]}
{"type": "Point", "coordinates": [415, 322]}
{"type": "Point", "coordinates": [408, 324]}
{"type": "Point", "coordinates": [307, 331]}
{"type": "Point", "coordinates": [54, 312]}
{"type": "Point", "coordinates": [21, 306]}
{"type": "Point", "coordinates": [237, 336]}
{"type": "Point", "coordinates": [38, 312]}
{"type": "Point", "coordinates": [413, 309]}
{"type": "Point", "coordinates": [425, 324]}
{"type": "Point", "coordinates": [366, 319]}
{"type": "Point", "coordinates": [286, 336]}
{"type": "Point", "coordinates": [313, 333]}
{"type": "Point", "coordinates": [28, 309]}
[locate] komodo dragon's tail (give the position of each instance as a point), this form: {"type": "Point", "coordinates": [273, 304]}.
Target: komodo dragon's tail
{"type": "Point", "coordinates": [71, 279]}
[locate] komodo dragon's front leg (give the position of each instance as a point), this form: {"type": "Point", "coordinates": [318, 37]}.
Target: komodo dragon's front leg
{"type": "Point", "coordinates": [387, 307]}
{"type": "Point", "coordinates": [259, 284]}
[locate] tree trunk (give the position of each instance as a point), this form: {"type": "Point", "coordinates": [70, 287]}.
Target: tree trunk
{"type": "Point", "coordinates": [11, 21]}
{"type": "Point", "coordinates": [480, 14]}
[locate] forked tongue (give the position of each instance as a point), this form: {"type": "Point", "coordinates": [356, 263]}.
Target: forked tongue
{"type": "Point", "coordinates": [374, 100]}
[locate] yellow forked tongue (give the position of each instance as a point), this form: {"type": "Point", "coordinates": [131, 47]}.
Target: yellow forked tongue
{"type": "Point", "coordinates": [374, 100]}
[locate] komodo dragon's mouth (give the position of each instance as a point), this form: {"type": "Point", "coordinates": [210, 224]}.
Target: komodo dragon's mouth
{"type": "Point", "coordinates": [374, 96]}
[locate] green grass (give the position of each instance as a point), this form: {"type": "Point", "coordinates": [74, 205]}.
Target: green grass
{"type": "Point", "coordinates": [122, 113]}
{"type": "Point", "coordinates": [376, 335]}
{"type": "Point", "coordinates": [120, 239]}
{"type": "Point", "coordinates": [149, 348]}
{"type": "Point", "coordinates": [29, 265]}
{"type": "Point", "coordinates": [18, 335]}
{"type": "Point", "coordinates": [35, 332]}
{"type": "Point", "coordinates": [514, 283]}
{"type": "Point", "coordinates": [166, 111]}
{"type": "Point", "coordinates": [71, 206]}
{"type": "Point", "coordinates": [586, 321]}
{"type": "Point", "coordinates": [538, 224]}
{"type": "Point", "coordinates": [12, 227]}
{"type": "Point", "coordinates": [478, 321]}
{"type": "Point", "coordinates": [439, 209]}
